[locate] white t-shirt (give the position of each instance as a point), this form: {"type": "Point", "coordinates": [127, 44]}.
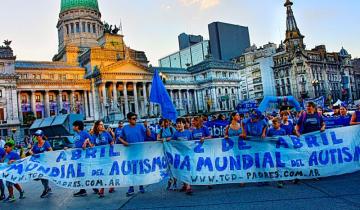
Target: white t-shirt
{"type": "Point", "coordinates": [2, 143]}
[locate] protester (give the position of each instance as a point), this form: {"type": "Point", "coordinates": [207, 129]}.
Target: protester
{"type": "Point", "coordinates": [320, 110]}
{"type": "Point", "coordinates": [188, 122]}
{"type": "Point", "coordinates": [40, 147]}
{"type": "Point", "coordinates": [2, 187]}
{"type": "Point", "coordinates": [310, 120]}
{"type": "Point", "coordinates": [118, 131]}
{"type": "Point", "coordinates": [181, 134]}
{"type": "Point", "coordinates": [344, 117]}
{"type": "Point", "coordinates": [199, 132]}
{"type": "Point", "coordinates": [11, 157]}
{"type": "Point", "coordinates": [255, 125]}
{"type": "Point", "coordinates": [133, 133]}
{"type": "Point", "coordinates": [276, 130]}
{"type": "Point", "coordinates": [81, 140]}
{"type": "Point", "coordinates": [166, 132]}
{"type": "Point", "coordinates": [336, 110]}
{"type": "Point", "coordinates": [234, 129]}
{"type": "Point", "coordinates": [153, 135]}
{"type": "Point", "coordinates": [286, 124]}
{"type": "Point", "coordinates": [355, 118]}
{"type": "Point", "coordinates": [102, 137]}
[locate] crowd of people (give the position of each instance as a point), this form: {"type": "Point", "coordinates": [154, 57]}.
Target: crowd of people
{"type": "Point", "coordinates": [253, 123]}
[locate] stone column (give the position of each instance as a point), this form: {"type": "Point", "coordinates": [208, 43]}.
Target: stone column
{"type": "Point", "coordinates": [213, 98]}
{"type": "Point", "coordinates": [115, 97]}
{"type": "Point", "coordinates": [103, 89]}
{"type": "Point", "coordinates": [46, 104]}
{"type": "Point", "coordinates": [19, 106]}
{"type": "Point", "coordinates": [172, 96]}
{"type": "Point", "coordinates": [33, 102]}
{"type": "Point", "coordinates": [72, 101]}
{"type": "Point", "coordinates": [85, 102]}
{"type": "Point", "coordinates": [188, 100]}
{"type": "Point", "coordinates": [136, 99]}
{"type": "Point", "coordinates": [95, 101]}
{"type": "Point", "coordinates": [91, 104]}
{"type": "Point", "coordinates": [180, 100]}
{"type": "Point", "coordinates": [126, 100]}
{"type": "Point", "coordinates": [196, 100]}
{"type": "Point", "coordinates": [145, 99]}
{"type": "Point", "coordinates": [60, 102]}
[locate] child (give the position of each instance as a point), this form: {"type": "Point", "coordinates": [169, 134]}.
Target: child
{"type": "Point", "coordinates": [276, 130]}
{"type": "Point", "coordinates": [287, 125]}
{"type": "Point", "coordinates": [182, 135]}
{"type": "Point", "coordinates": [11, 157]}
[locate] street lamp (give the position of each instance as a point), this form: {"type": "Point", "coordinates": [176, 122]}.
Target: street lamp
{"type": "Point", "coordinates": [315, 83]}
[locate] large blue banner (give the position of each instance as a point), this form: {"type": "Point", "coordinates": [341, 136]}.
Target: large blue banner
{"type": "Point", "coordinates": [216, 161]}
{"type": "Point", "coordinates": [320, 102]}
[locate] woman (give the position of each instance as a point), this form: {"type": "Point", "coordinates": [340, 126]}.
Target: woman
{"type": "Point", "coordinates": [234, 129]}
{"type": "Point", "coordinates": [310, 120]}
{"type": "Point", "coordinates": [39, 147]}
{"type": "Point", "coordinates": [344, 117]}
{"type": "Point", "coordinates": [200, 132]}
{"type": "Point", "coordinates": [102, 137]}
{"type": "Point", "coordinates": [355, 118]}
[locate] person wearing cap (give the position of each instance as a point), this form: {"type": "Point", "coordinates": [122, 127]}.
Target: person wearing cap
{"type": "Point", "coordinates": [9, 158]}
{"type": "Point", "coordinates": [310, 120]}
{"type": "Point", "coordinates": [82, 139]}
{"type": "Point", "coordinates": [355, 118]}
{"type": "Point", "coordinates": [133, 133]}
{"type": "Point", "coordinates": [39, 147]}
{"type": "Point", "coordinates": [256, 125]}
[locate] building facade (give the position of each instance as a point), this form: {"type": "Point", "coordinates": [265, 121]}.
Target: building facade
{"type": "Point", "coordinates": [257, 76]}
{"type": "Point", "coordinates": [187, 40]}
{"type": "Point", "coordinates": [310, 73]}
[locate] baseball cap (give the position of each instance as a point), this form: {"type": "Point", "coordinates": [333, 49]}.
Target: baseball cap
{"type": "Point", "coordinates": [39, 133]}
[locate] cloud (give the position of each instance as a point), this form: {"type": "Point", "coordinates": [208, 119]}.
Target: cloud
{"type": "Point", "coordinates": [204, 4]}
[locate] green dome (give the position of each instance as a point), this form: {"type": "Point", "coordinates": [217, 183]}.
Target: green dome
{"type": "Point", "coordinates": [79, 4]}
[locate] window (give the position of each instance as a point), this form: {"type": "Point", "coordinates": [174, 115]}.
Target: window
{"type": "Point", "coordinates": [94, 28]}
{"type": "Point", "coordinates": [0, 93]}
{"type": "Point", "coordinates": [51, 98]}
{"type": "Point", "coordinates": [37, 98]}
{"type": "Point", "coordinates": [67, 29]}
{"type": "Point", "coordinates": [51, 76]}
{"type": "Point", "coordinates": [89, 28]}
{"type": "Point", "coordinates": [72, 27]}
{"type": "Point", "coordinates": [77, 27]}
{"type": "Point", "coordinates": [76, 97]}
{"type": "Point", "coordinates": [83, 26]}
{"type": "Point", "coordinates": [2, 67]}
{"type": "Point", "coordinates": [23, 99]}
{"type": "Point", "coordinates": [63, 97]}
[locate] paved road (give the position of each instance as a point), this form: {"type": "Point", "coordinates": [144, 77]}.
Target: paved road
{"type": "Point", "coordinates": [341, 192]}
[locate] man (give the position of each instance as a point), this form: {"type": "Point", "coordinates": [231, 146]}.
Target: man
{"type": "Point", "coordinates": [82, 139]}
{"type": "Point", "coordinates": [133, 133]}
{"type": "Point", "coordinates": [355, 118]}
{"type": "Point", "coordinates": [310, 120]}
{"type": "Point", "coordinates": [256, 125]}
{"type": "Point", "coordinates": [118, 131]}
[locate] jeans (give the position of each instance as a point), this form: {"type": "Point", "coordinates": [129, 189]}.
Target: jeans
{"type": "Point", "coordinates": [2, 187]}
{"type": "Point", "coordinates": [45, 183]}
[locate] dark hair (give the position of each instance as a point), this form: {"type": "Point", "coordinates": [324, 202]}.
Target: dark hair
{"type": "Point", "coordinates": [276, 120]}
{"type": "Point", "coordinates": [232, 115]}
{"type": "Point", "coordinates": [79, 124]}
{"type": "Point", "coordinates": [130, 115]}
{"type": "Point", "coordinates": [312, 104]}
{"type": "Point", "coordinates": [8, 144]}
{"type": "Point", "coordinates": [181, 120]}
{"type": "Point", "coordinates": [120, 121]}
{"type": "Point", "coordinates": [96, 125]}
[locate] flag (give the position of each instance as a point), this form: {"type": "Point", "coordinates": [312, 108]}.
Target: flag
{"type": "Point", "coordinates": [159, 95]}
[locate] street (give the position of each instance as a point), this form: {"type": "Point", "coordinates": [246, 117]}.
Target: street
{"type": "Point", "coordinates": [341, 192]}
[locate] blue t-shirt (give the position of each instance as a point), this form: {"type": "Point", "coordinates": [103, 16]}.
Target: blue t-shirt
{"type": "Point", "coordinates": [152, 136]}
{"type": "Point", "coordinates": [133, 134]}
{"type": "Point", "coordinates": [198, 133]}
{"type": "Point", "coordinates": [79, 138]}
{"type": "Point", "coordinates": [183, 136]}
{"type": "Point", "coordinates": [117, 134]}
{"type": "Point", "coordinates": [45, 147]}
{"type": "Point", "coordinates": [2, 153]}
{"type": "Point", "coordinates": [310, 122]}
{"type": "Point", "coordinates": [289, 128]}
{"type": "Point", "coordinates": [11, 156]}
{"type": "Point", "coordinates": [254, 128]}
{"type": "Point", "coordinates": [167, 132]}
{"type": "Point", "coordinates": [103, 138]}
{"type": "Point", "coordinates": [276, 132]}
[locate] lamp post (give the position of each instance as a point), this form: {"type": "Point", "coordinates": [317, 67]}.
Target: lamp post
{"type": "Point", "coordinates": [107, 112]}
{"type": "Point", "coordinates": [315, 83]}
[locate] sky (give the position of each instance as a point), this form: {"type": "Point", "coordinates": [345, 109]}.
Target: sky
{"type": "Point", "coordinates": [153, 25]}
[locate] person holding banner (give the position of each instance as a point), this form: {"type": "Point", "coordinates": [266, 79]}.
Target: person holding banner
{"type": "Point", "coordinates": [256, 125]}
{"type": "Point", "coordinates": [118, 131]}
{"type": "Point", "coordinates": [166, 132]}
{"type": "Point", "coordinates": [286, 124]}
{"type": "Point", "coordinates": [234, 129]}
{"type": "Point", "coordinates": [344, 117]}
{"type": "Point", "coordinates": [355, 118]}
{"type": "Point", "coordinates": [133, 133]}
{"type": "Point", "coordinates": [82, 139]}
{"type": "Point", "coordinates": [11, 157]}
{"type": "Point", "coordinates": [40, 147]}
{"type": "Point", "coordinates": [310, 120]}
{"type": "Point", "coordinates": [102, 137]}
{"type": "Point", "coordinates": [200, 132]}
{"type": "Point", "coordinates": [2, 187]}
